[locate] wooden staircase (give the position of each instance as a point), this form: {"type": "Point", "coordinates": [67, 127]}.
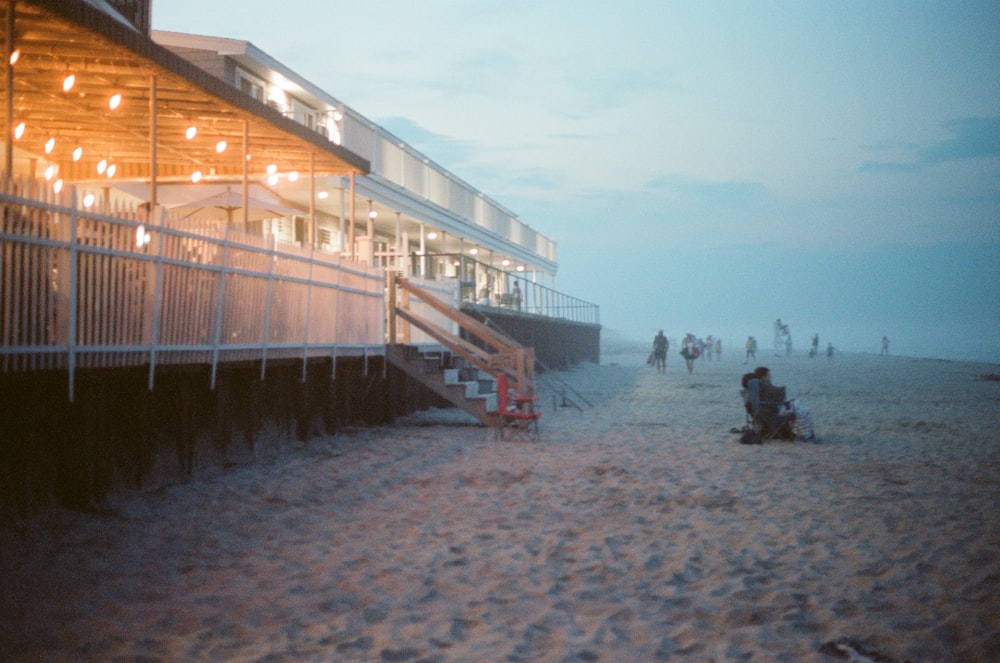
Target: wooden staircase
{"type": "Point", "coordinates": [465, 373]}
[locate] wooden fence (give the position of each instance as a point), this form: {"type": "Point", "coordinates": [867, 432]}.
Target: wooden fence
{"type": "Point", "coordinates": [86, 287]}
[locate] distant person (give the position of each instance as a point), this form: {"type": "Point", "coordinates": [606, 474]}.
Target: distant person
{"type": "Point", "coordinates": [885, 345]}
{"type": "Point", "coordinates": [718, 349]}
{"type": "Point", "coordinates": [660, 347]}
{"type": "Point", "coordinates": [709, 347]}
{"type": "Point", "coordinates": [517, 295]}
{"type": "Point", "coordinates": [690, 351]}
{"type": "Point", "coordinates": [751, 349]}
{"type": "Point", "coordinates": [829, 350]}
{"type": "Point", "coordinates": [815, 346]}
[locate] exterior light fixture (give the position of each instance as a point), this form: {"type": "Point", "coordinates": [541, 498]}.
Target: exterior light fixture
{"type": "Point", "coordinates": [432, 235]}
{"type": "Point", "coordinates": [323, 195]}
{"type": "Point", "coordinates": [505, 262]}
{"type": "Point", "coordinates": [19, 131]}
{"type": "Point", "coordinates": [191, 132]}
{"type": "Point", "coordinates": [77, 153]}
{"type": "Point", "coordinates": [372, 214]}
{"type": "Point", "coordinates": [473, 252]}
{"type": "Point", "coordinates": [220, 147]}
{"type": "Point", "coordinates": [69, 82]}
{"type": "Point", "coordinates": [115, 101]}
{"type": "Point", "coordinates": [50, 145]}
{"type": "Point", "coordinates": [196, 176]}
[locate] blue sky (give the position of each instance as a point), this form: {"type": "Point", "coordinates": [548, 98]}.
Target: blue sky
{"type": "Point", "coordinates": [703, 166]}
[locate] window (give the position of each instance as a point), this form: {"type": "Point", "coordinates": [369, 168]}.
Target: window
{"type": "Point", "coordinates": [249, 84]}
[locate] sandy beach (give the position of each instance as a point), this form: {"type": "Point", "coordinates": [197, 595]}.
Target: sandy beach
{"type": "Point", "coordinates": [636, 530]}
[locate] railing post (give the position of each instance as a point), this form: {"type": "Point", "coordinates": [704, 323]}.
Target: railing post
{"type": "Point", "coordinates": [154, 332]}
{"type": "Point", "coordinates": [74, 295]}
{"type": "Point", "coordinates": [267, 305]}
{"type": "Point", "coordinates": [220, 305]}
{"type": "Point", "coordinates": [309, 289]}
{"type": "Point", "coordinates": [390, 277]}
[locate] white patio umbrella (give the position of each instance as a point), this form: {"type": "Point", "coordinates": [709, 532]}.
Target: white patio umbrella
{"type": "Point", "coordinates": [230, 201]}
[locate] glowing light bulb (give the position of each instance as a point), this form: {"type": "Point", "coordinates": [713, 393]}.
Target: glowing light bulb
{"type": "Point", "coordinates": [19, 131]}
{"type": "Point", "coordinates": [77, 153]}
{"type": "Point", "coordinates": [57, 185]}
{"type": "Point", "coordinates": [473, 252]}
{"type": "Point", "coordinates": [323, 195]}
{"type": "Point", "coordinates": [115, 101]}
{"type": "Point", "coordinates": [432, 235]}
{"type": "Point", "coordinates": [15, 55]}
{"type": "Point", "coordinates": [293, 176]}
{"type": "Point", "coordinates": [196, 176]}
{"type": "Point", "coordinates": [112, 169]}
{"type": "Point", "coordinates": [88, 200]}
{"type": "Point", "coordinates": [520, 268]}
{"type": "Point", "coordinates": [220, 147]}
{"type": "Point", "coordinates": [102, 166]}
{"type": "Point", "coordinates": [69, 82]}
{"type": "Point", "coordinates": [50, 145]}
{"type": "Point", "coordinates": [272, 169]}
{"type": "Point", "coordinates": [50, 172]}
{"type": "Point", "coordinates": [372, 214]}
{"type": "Point", "coordinates": [505, 262]}
{"type": "Point", "coordinates": [272, 179]}
{"type": "Point", "coordinates": [191, 132]}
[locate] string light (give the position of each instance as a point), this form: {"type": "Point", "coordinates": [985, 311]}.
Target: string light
{"type": "Point", "coordinates": [102, 165]}
{"type": "Point", "coordinates": [220, 147]}
{"type": "Point", "coordinates": [15, 55]}
{"type": "Point", "coordinates": [191, 132]}
{"type": "Point", "coordinates": [115, 101]}
{"type": "Point", "coordinates": [112, 169]}
{"type": "Point", "coordinates": [272, 169]}
{"type": "Point", "coordinates": [77, 153]}
{"type": "Point", "coordinates": [57, 185]}
{"type": "Point", "coordinates": [69, 82]}
{"type": "Point", "coordinates": [19, 131]}
{"type": "Point", "coordinates": [196, 176]}
{"type": "Point", "coordinates": [272, 179]}
{"type": "Point", "coordinates": [88, 200]}
{"type": "Point", "coordinates": [50, 145]}
{"type": "Point", "coordinates": [293, 176]}
{"type": "Point", "coordinates": [50, 172]}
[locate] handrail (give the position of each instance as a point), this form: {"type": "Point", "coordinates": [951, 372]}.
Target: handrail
{"type": "Point", "coordinates": [510, 356]}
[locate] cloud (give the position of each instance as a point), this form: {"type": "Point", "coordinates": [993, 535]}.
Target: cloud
{"type": "Point", "coordinates": [724, 194]}
{"type": "Point", "coordinates": [972, 138]}
{"type": "Point", "coordinates": [448, 151]}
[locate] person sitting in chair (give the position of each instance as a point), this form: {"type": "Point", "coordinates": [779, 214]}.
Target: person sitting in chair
{"type": "Point", "coordinates": [779, 416]}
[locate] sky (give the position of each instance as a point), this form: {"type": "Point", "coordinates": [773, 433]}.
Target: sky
{"type": "Point", "coordinates": [704, 167]}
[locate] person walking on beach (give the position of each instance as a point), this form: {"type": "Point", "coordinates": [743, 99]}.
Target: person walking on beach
{"type": "Point", "coordinates": [660, 347]}
{"type": "Point", "coordinates": [885, 345]}
{"type": "Point", "coordinates": [751, 349]}
{"type": "Point", "coordinates": [815, 346]}
{"type": "Point", "coordinates": [829, 350]}
{"type": "Point", "coordinates": [690, 351]}
{"type": "Point", "coordinates": [718, 349]}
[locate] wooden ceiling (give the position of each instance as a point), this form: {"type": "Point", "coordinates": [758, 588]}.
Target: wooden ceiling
{"type": "Point", "coordinates": [56, 38]}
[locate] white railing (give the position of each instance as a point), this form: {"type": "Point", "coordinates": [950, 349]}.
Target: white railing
{"type": "Point", "coordinates": [95, 288]}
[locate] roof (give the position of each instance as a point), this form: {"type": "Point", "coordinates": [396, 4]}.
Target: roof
{"type": "Point", "coordinates": [55, 38]}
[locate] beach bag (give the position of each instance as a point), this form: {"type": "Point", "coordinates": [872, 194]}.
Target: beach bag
{"type": "Point", "coordinates": [750, 436]}
{"type": "Point", "coordinates": [652, 358]}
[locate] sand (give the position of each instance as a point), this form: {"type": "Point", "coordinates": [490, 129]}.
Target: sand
{"type": "Point", "coordinates": [636, 530]}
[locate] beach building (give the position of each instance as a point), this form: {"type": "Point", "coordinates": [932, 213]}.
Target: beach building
{"type": "Point", "coordinates": [191, 226]}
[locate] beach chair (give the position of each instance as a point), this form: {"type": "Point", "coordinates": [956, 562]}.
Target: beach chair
{"type": "Point", "coordinates": [516, 414]}
{"type": "Point", "coordinates": [767, 410]}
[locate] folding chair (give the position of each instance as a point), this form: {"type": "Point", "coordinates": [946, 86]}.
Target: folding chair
{"type": "Point", "coordinates": [516, 414]}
